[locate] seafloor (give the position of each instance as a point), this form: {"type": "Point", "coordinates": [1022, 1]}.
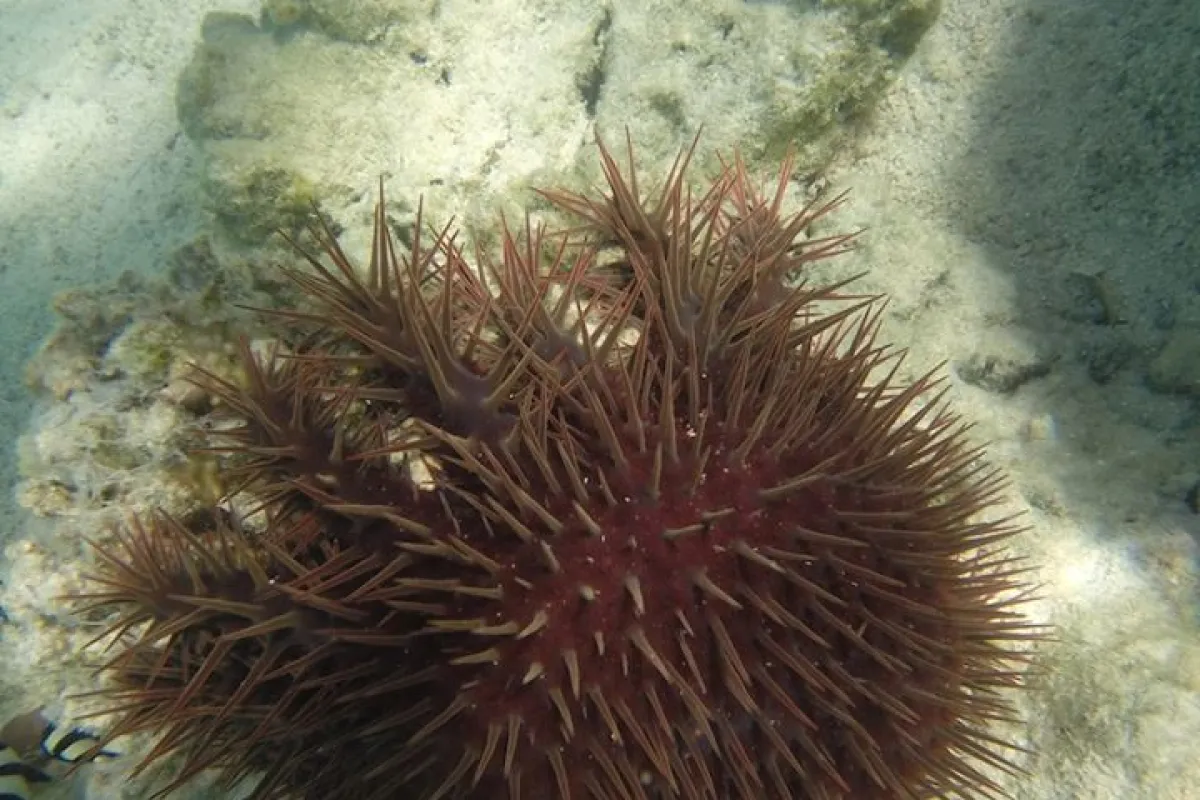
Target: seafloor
{"type": "Point", "coordinates": [1027, 175]}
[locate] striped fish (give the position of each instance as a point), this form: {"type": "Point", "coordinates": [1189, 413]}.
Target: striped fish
{"type": "Point", "coordinates": [30, 742]}
{"type": "Point", "coordinates": [71, 745]}
{"type": "Point", "coordinates": [16, 775]}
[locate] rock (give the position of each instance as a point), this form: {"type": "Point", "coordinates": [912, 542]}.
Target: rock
{"type": "Point", "coordinates": [483, 99]}
{"type": "Point", "coordinates": [1083, 297]}
{"type": "Point", "coordinates": [1176, 368]}
{"type": "Point", "coordinates": [1106, 356]}
{"type": "Point", "coordinates": [362, 21]}
{"type": "Point", "coordinates": [1001, 374]}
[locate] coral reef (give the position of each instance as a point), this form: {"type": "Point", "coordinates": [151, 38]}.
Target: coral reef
{"type": "Point", "coordinates": [117, 428]}
{"type": "Point", "coordinates": [621, 512]}
{"type": "Point", "coordinates": [337, 93]}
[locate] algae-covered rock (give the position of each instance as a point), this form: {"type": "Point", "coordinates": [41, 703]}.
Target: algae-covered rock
{"type": "Point", "coordinates": [895, 25]}
{"type": "Point", "coordinates": [763, 77]}
{"type": "Point", "coordinates": [206, 102]}
{"type": "Point", "coordinates": [119, 413]}
{"type": "Point", "coordinates": [349, 20]}
{"type": "Point", "coordinates": [257, 202]}
{"type": "Point", "coordinates": [1176, 368]}
{"type": "Point", "coordinates": [115, 432]}
{"type": "Point", "coordinates": [465, 102]}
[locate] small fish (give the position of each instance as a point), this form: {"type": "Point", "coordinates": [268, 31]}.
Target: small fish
{"type": "Point", "coordinates": [29, 742]}
{"type": "Point", "coordinates": [36, 737]}
{"type": "Point", "coordinates": [16, 775]}
{"type": "Point", "coordinates": [72, 745]}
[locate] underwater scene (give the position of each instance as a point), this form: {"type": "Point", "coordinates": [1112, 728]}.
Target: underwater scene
{"type": "Point", "coordinates": [600, 399]}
